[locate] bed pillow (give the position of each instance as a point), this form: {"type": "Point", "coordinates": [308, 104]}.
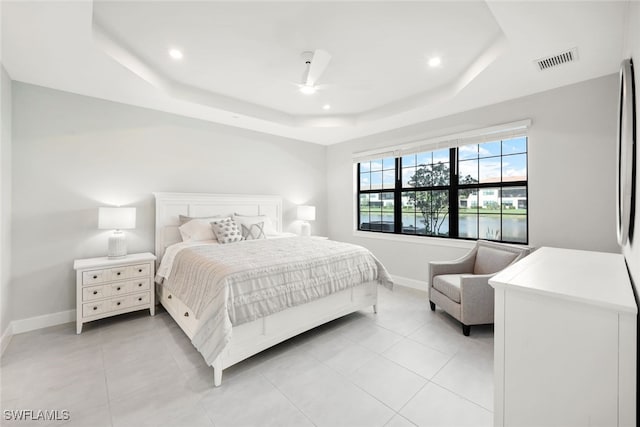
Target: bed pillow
{"type": "Point", "coordinates": [248, 220]}
{"type": "Point", "coordinates": [195, 230]}
{"type": "Point", "coordinates": [226, 231]}
{"type": "Point", "coordinates": [253, 232]}
{"type": "Point", "coordinates": [185, 219]}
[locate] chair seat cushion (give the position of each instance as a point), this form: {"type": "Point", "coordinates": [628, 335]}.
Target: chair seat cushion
{"type": "Point", "coordinates": [448, 284]}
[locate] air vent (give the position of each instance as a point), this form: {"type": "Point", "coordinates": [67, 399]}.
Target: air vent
{"type": "Point", "coordinates": [559, 59]}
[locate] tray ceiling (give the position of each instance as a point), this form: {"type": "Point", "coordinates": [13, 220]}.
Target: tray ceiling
{"type": "Point", "coordinates": [242, 61]}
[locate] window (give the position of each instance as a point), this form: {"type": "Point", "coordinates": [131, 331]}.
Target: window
{"type": "Point", "coordinates": [483, 196]}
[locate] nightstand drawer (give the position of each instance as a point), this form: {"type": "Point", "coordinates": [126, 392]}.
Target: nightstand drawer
{"type": "Point", "coordinates": [139, 299]}
{"type": "Point", "coordinates": [120, 273]}
{"type": "Point", "coordinates": [141, 270]}
{"type": "Point", "coordinates": [93, 309]}
{"type": "Point", "coordinates": [139, 285]}
{"type": "Point", "coordinates": [95, 277]}
{"type": "Point", "coordinates": [120, 288]}
{"type": "Point", "coordinates": [119, 303]}
{"type": "Point", "coordinates": [95, 292]}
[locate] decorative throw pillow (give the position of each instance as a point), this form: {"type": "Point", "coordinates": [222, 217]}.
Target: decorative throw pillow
{"type": "Point", "coordinates": [195, 230]}
{"type": "Point", "coordinates": [248, 220]}
{"type": "Point", "coordinates": [226, 231]}
{"type": "Point", "coordinates": [253, 232]}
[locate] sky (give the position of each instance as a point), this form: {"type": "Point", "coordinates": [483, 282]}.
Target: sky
{"type": "Point", "coordinates": [486, 162]}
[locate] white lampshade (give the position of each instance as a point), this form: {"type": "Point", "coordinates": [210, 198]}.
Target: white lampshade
{"type": "Point", "coordinates": [307, 213]}
{"type": "Point", "coordinates": [116, 218]}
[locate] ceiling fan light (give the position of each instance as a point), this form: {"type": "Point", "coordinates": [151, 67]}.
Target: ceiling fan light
{"type": "Point", "coordinates": [175, 54]}
{"type": "Point", "coordinates": [308, 90]}
{"type": "Point", "coordinates": [435, 61]}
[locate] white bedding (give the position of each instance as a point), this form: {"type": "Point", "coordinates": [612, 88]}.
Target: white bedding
{"type": "Point", "coordinates": [170, 253]}
{"type": "Point", "coordinates": [231, 284]}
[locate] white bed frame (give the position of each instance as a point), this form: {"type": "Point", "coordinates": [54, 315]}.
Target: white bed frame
{"type": "Point", "coordinates": [253, 337]}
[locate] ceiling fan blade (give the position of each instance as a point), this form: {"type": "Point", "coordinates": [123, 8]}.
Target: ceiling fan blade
{"type": "Point", "coordinates": [318, 64]}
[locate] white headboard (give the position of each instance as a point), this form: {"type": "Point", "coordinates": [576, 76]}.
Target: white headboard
{"type": "Point", "coordinates": [170, 205]}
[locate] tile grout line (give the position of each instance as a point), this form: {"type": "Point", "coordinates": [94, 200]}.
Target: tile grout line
{"type": "Point", "coordinates": [287, 397]}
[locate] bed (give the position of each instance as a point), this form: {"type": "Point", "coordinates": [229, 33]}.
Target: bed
{"type": "Point", "coordinates": [226, 334]}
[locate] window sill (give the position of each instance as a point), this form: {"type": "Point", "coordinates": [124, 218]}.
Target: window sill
{"type": "Point", "coordinates": [421, 240]}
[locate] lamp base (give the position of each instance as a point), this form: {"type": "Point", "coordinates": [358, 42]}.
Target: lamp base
{"type": "Point", "coordinates": [305, 229]}
{"type": "Point", "coordinates": [117, 245]}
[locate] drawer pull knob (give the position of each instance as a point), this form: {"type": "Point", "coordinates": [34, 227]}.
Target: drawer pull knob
{"type": "Point", "coordinates": [169, 297]}
{"type": "Point", "coordinates": [139, 284]}
{"type": "Point", "coordinates": [139, 270]}
{"type": "Point", "coordinates": [118, 273]}
{"type": "Point", "coordinates": [186, 314]}
{"type": "Point", "coordinates": [95, 292]}
{"type": "Point", "coordinates": [118, 288]}
{"type": "Point", "coordinates": [140, 299]}
{"type": "Point", "coordinates": [95, 308]}
{"type": "Point", "coordinates": [95, 277]}
{"type": "Point", "coordinates": [118, 303]}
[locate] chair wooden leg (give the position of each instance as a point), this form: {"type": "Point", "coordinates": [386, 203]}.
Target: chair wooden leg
{"type": "Point", "coordinates": [433, 305]}
{"type": "Point", "coordinates": [466, 330]}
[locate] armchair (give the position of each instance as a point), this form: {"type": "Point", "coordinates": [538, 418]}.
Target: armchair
{"type": "Point", "coordinates": [461, 287]}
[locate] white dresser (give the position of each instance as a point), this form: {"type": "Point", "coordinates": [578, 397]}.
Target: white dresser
{"type": "Point", "coordinates": [565, 341]}
{"type": "Point", "coordinates": [107, 287]}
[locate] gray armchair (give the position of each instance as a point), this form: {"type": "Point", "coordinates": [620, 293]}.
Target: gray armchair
{"type": "Point", "coordinates": [461, 287]}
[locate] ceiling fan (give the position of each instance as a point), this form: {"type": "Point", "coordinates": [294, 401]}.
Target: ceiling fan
{"type": "Point", "coordinates": [316, 62]}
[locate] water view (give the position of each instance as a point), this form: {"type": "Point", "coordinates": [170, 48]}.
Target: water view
{"type": "Point", "coordinates": [512, 227]}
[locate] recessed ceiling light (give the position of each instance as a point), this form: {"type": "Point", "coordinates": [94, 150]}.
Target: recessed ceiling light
{"type": "Point", "coordinates": [326, 107]}
{"type": "Point", "coordinates": [307, 90]}
{"type": "Point", "coordinates": [435, 61]}
{"type": "Point", "coordinates": [175, 53]}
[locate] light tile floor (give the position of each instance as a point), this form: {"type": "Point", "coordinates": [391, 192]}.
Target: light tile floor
{"type": "Point", "coordinates": [404, 366]}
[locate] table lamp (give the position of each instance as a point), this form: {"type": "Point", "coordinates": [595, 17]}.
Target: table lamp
{"type": "Point", "coordinates": [117, 219]}
{"type": "Point", "coordinates": [306, 213]}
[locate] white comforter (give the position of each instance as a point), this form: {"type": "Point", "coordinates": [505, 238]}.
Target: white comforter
{"type": "Point", "coordinates": [231, 284]}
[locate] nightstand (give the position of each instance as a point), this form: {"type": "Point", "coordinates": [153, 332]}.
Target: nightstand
{"type": "Point", "coordinates": [108, 287]}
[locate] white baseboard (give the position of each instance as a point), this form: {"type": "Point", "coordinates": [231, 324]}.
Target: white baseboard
{"type": "Point", "coordinates": [5, 339]}
{"type": "Point", "coordinates": [44, 321]}
{"type": "Point", "coordinates": [53, 319]}
{"type": "Point", "coordinates": [410, 283]}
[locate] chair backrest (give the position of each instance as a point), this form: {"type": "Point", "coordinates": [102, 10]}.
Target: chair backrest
{"type": "Point", "coordinates": [492, 257]}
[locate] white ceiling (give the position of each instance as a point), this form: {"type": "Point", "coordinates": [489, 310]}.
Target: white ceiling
{"type": "Point", "coordinates": [242, 61]}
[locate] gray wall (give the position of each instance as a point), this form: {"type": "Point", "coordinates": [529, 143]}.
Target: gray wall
{"type": "Point", "coordinates": [572, 153]}
{"type": "Point", "coordinates": [632, 50]}
{"type": "Point", "coordinates": [5, 200]}
{"type": "Point", "coordinates": [72, 154]}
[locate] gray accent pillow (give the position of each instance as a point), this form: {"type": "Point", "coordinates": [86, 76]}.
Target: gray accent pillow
{"type": "Point", "coordinates": [226, 231]}
{"type": "Point", "coordinates": [253, 232]}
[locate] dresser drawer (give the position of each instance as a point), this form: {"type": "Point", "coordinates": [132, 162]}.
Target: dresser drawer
{"type": "Point", "coordinates": [94, 308]}
{"type": "Point", "coordinates": [95, 277]}
{"type": "Point", "coordinates": [120, 288]}
{"type": "Point", "coordinates": [95, 292]}
{"type": "Point", "coordinates": [140, 270]}
{"type": "Point", "coordinates": [119, 303]}
{"type": "Point", "coordinates": [139, 285]}
{"type": "Point", "coordinates": [120, 273]}
{"type": "Point", "coordinates": [138, 299]}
